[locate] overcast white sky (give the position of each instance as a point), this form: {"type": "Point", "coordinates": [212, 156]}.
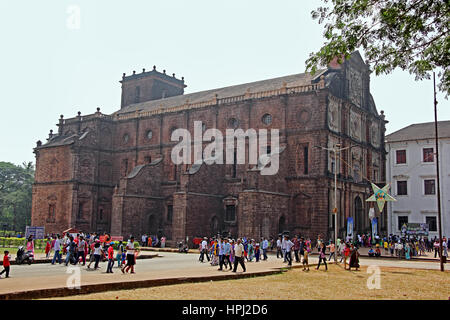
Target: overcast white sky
{"type": "Point", "coordinates": [48, 68]}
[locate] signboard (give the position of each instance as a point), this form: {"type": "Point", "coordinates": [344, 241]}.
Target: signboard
{"type": "Point", "coordinates": [36, 232]}
{"type": "Point", "coordinates": [350, 227]}
{"type": "Point", "coordinates": [415, 229]}
{"type": "Point", "coordinates": [374, 227]}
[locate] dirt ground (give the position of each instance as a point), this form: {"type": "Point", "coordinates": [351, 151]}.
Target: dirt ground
{"type": "Point", "coordinates": [336, 283]}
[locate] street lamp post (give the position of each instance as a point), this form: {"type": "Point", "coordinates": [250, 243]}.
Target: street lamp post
{"type": "Point", "coordinates": [336, 149]}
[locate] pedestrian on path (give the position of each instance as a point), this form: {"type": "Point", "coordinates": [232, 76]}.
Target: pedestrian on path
{"type": "Point", "coordinates": [264, 246]}
{"type": "Point", "coordinates": [354, 258]}
{"type": "Point", "coordinates": [305, 260]}
{"type": "Point", "coordinates": [288, 248]}
{"type": "Point", "coordinates": [322, 256]}
{"type": "Point", "coordinates": [239, 255]}
{"type": "Point", "coordinates": [131, 259]}
{"type": "Point", "coordinates": [204, 250]}
{"type": "Point", "coordinates": [332, 248]}
{"type": "Point", "coordinates": [81, 247]}
{"type": "Point", "coordinates": [119, 254]}
{"type": "Point", "coordinates": [48, 247]}
{"type": "Point", "coordinates": [98, 251]}
{"type": "Point", "coordinates": [279, 252]}
{"type": "Point", "coordinates": [57, 249]}
{"type": "Point", "coordinates": [110, 258]}
{"type": "Point", "coordinates": [6, 264]}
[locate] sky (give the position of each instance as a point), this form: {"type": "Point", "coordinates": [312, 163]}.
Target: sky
{"type": "Point", "coordinates": [53, 63]}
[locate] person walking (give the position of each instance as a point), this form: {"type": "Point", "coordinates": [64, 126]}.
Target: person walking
{"type": "Point", "coordinates": [6, 264]}
{"type": "Point", "coordinates": [332, 248]}
{"type": "Point", "coordinates": [204, 250]}
{"type": "Point", "coordinates": [81, 250]}
{"type": "Point", "coordinates": [354, 258]}
{"type": "Point", "coordinates": [98, 251]}
{"type": "Point", "coordinates": [239, 255]}
{"type": "Point", "coordinates": [264, 247]}
{"type": "Point", "coordinates": [322, 256]}
{"type": "Point", "coordinates": [57, 249]}
{"type": "Point", "coordinates": [220, 247]}
{"type": "Point", "coordinates": [283, 249]}
{"type": "Point", "coordinates": [288, 247]}
{"type": "Point", "coordinates": [131, 260]}
{"type": "Point", "coordinates": [305, 260]}
{"type": "Point", "coordinates": [226, 254]}
{"type": "Point", "coordinates": [110, 258]}
{"type": "Point", "coordinates": [48, 247]}
{"type": "Point", "coordinates": [279, 252]}
{"type": "Point", "coordinates": [71, 250]}
{"type": "Point", "coordinates": [119, 254]}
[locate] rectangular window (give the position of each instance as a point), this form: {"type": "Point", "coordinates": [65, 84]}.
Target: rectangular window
{"type": "Point", "coordinates": [402, 189]}
{"type": "Point", "coordinates": [51, 212]}
{"type": "Point", "coordinates": [428, 155]}
{"type": "Point", "coordinates": [401, 221]}
{"type": "Point", "coordinates": [230, 214]}
{"type": "Point", "coordinates": [305, 160]}
{"type": "Point", "coordinates": [430, 187]}
{"type": "Point", "coordinates": [169, 213]}
{"type": "Point", "coordinates": [432, 223]}
{"type": "Point", "coordinates": [234, 164]}
{"type": "Point", "coordinates": [375, 175]}
{"type": "Point", "coordinates": [400, 156]}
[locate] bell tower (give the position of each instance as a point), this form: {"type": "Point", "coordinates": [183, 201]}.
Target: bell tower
{"type": "Point", "coordinates": [150, 85]}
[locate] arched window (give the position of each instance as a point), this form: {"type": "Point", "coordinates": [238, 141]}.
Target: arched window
{"type": "Point", "coordinates": [358, 215]}
{"type": "Point", "coordinates": [282, 224]}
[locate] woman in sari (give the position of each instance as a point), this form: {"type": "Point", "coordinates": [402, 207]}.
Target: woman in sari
{"type": "Point", "coordinates": [407, 251]}
{"type": "Point", "coordinates": [30, 244]}
{"type": "Point", "coordinates": [354, 258]}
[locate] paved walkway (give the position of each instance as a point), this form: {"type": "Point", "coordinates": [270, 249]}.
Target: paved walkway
{"type": "Point", "coordinates": [170, 268]}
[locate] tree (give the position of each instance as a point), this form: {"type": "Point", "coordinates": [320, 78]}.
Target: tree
{"type": "Point", "coordinates": [411, 35]}
{"type": "Point", "coordinates": [15, 194]}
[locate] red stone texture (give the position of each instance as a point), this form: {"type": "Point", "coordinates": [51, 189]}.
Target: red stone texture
{"type": "Point", "coordinates": [106, 182]}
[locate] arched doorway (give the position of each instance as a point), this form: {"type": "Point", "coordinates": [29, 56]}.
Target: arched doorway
{"type": "Point", "coordinates": [152, 225]}
{"type": "Point", "coordinates": [282, 224]}
{"type": "Point", "coordinates": [214, 226]}
{"type": "Point", "coordinates": [358, 216]}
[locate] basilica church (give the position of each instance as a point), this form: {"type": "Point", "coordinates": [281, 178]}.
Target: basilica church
{"type": "Point", "coordinates": [113, 172]}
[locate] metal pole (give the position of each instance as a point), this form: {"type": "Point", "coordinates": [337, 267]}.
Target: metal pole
{"type": "Point", "coordinates": [438, 177]}
{"type": "Point", "coordinates": [335, 202]}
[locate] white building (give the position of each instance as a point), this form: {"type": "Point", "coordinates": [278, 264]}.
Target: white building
{"type": "Point", "coordinates": [411, 171]}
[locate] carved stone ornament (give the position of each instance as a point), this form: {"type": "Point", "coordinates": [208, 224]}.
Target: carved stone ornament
{"type": "Point", "coordinates": [355, 125]}
{"type": "Point", "coordinates": [303, 116]}
{"type": "Point", "coordinates": [375, 134]}
{"type": "Point", "coordinates": [355, 86]}
{"type": "Point", "coordinates": [333, 115]}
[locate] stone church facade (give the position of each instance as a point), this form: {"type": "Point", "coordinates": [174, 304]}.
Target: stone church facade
{"type": "Point", "coordinates": [113, 173]}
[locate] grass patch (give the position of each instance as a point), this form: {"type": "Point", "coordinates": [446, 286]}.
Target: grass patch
{"type": "Point", "coordinates": [336, 283]}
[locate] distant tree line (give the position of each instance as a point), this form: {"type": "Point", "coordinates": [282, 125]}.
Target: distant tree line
{"type": "Point", "coordinates": [15, 195]}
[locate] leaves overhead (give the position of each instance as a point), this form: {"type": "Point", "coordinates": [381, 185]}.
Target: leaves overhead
{"type": "Point", "coordinates": [412, 35]}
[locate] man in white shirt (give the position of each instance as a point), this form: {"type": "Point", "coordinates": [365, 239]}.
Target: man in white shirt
{"type": "Point", "coordinates": [220, 245]}
{"type": "Point", "coordinates": [57, 248]}
{"type": "Point", "coordinates": [131, 259]}
{"type": "Point", "coordinates": [204, 249]}
{"type": "Point", "coordinates": [239, 255]}
{"type": "Point", "coordinates": [279, 252]}
{"type": "Point", "coordinates": [265, 246]}
{"type": "Point", "coordinates": [288, 247]}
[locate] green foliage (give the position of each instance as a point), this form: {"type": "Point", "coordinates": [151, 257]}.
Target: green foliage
{"type": "Point", "coordinates": [15, 194]}
{"type": "Point", "coordinates": [412, 35]}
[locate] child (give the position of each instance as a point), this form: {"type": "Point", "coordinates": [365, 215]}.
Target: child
{"type": "Point", "coordinates": [257, 252]}
{"type": "Point", "coordinates": [48, 246]}
{"type": "Point", "coordinates": [6, 264]}
{"type": "Point", "coordinates": [305, 261]}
